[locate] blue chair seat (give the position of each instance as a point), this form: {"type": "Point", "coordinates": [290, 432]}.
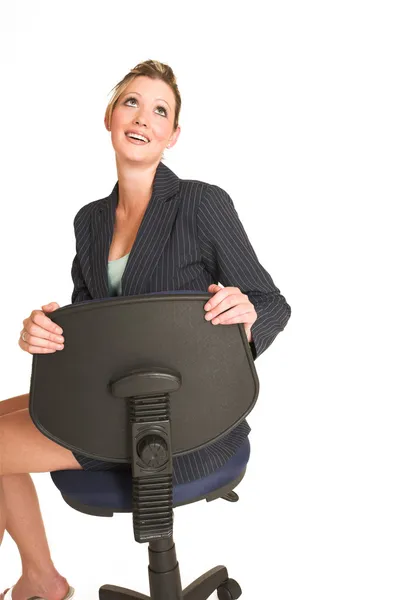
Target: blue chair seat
{"type": "Point", "coordinates": [113, 489]}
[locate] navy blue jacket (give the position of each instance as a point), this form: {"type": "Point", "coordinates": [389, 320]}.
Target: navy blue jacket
{"type": "Point", "coordinates": [190, 236]}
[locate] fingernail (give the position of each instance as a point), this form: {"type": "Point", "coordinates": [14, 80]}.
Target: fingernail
{"type": "Point", "coordinates": [207, 306]}
{"type": "Point", "coordinates": [59, 330]}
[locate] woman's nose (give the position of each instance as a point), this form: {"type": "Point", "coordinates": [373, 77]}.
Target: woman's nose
{"type": "Point", "coordinates": [141, 118]}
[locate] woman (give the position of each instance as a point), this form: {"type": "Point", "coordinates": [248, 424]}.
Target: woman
{"type": "Point", "coordinates": [184, 234]}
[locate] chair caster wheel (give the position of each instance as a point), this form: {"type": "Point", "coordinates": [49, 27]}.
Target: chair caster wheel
{"type": "Point", "coordinates": [229, 590]}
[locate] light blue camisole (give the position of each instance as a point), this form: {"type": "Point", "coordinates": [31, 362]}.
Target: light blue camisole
{"type": "Point", "coordinates": [116, 269]}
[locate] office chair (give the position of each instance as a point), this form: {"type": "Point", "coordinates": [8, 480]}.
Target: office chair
{"type": "Point", "coordinates": [143, 380]}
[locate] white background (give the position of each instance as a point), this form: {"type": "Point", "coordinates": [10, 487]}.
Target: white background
{"type": "Point", "coordinates": [294, 111]}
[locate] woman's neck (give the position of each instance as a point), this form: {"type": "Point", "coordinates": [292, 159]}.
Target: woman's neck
{"type": "Point", "coordinates": [134, 189]}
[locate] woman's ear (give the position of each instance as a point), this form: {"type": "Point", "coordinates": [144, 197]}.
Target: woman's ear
{"type": "Point", "coordinates": [174, 137]}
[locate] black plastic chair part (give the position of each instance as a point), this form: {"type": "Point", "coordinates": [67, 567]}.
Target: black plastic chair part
{"type": "Point", "coordinates": [143, 379]}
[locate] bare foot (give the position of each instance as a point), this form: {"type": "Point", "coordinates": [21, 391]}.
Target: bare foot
{"type": "Point", "coordinates": [54, 588]}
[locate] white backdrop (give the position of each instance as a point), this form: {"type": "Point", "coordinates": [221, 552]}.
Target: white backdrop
{"type": "Point", "coordinates": [294, 112]}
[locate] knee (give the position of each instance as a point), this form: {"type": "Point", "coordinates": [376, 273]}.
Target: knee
{"type": "Point", "coordinates": [14, 404]}
{"type": "Point", "coordinates": [2, 446]}
{"type": "Point", "coordinates": [1, 451]}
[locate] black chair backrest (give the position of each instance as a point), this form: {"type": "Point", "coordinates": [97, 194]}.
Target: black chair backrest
{"type": "Point", "coordinates": [71, 395]}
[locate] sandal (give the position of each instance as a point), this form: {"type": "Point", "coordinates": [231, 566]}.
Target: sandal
{"type": "Point", "coordinates": [8, 595]}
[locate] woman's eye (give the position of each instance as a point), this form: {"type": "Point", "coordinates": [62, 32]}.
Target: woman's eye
{"type": "Point", "coordinates": [129, 99]}
{"type": "Point", "coordinates": [158, 107]}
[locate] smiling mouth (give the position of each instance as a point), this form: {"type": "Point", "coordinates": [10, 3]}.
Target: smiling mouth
{"type": "Point", "coordinates": [136, 140]}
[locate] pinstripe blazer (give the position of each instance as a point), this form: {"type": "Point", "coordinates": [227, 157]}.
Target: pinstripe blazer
{"type": "Point", "coordinates": [190, 236]}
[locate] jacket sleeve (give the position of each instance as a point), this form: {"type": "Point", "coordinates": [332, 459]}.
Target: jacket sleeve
{"type": "Point", "coordinates": [229, 256]}
{"type": "Point", "coordinates": [80, 292]}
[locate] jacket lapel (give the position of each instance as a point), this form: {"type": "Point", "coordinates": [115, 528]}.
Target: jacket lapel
{"type": "Point", "coordinates": [151, 238]}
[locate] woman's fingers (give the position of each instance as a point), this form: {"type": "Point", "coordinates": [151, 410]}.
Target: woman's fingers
{"type": "Point", "coordinates": [38, 320]}
{"type": "Point", "coordinates": [232, 306]}
{"type": "Point", "coordinates": [37, 340]}
{"type": "Point", "coordinates": [41, 334]}
{"type": "Point", "coordinates": [227, 303]}
{"type": "Point", "coordinates": [237, 314]}
{"type": "Point", "coordinates": [37, 336]}
{"type": "Point", "coordinates": [35, 349]}
{"type": "Point", "coordinates": [52, 306]}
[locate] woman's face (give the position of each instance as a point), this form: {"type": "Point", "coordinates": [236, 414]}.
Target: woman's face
{"type": "Point", "coordinates": [147, 107]}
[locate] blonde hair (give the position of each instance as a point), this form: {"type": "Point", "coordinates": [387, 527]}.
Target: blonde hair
{"type": "Point", "coordinates": [154, 70]}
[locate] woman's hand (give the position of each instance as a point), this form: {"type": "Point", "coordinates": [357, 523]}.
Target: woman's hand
{"type": "Point", "coordinates": [40, 334]}
{"type": "Point", "coordinates": [241, 309]}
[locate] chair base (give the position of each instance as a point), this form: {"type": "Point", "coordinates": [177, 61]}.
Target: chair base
{"type": "Point", "coordinates": [165, 579]}
{"type": "Point", "coordinates": [201, 589]}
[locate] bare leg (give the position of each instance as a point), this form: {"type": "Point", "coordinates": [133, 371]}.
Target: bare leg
{"type": "Point", "coordinates": [7, 406]}
{"type": "Point", "coordinates": [14, 404]}
{"type": "Point", "coordinates": [25, 525]}
{"type": "Point", "coordinates": [2, 512]}
{"type": "Point", "coordinates": [19, 491]}
{"type": "Point", "coordinates": [19, 506]}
